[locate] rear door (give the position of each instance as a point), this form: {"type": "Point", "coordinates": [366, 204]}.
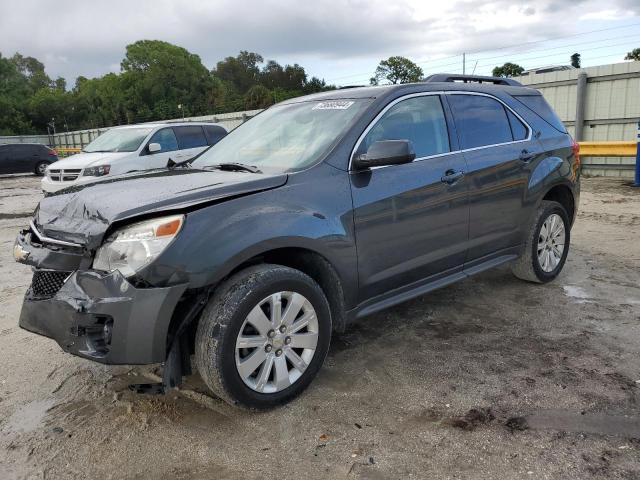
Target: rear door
{"type": "Point", "coordinates": [497, 146]}
{"type": "Point", "coordinates": [411, 222]}
{"type": "Point", "coordinates": [191, 141]}
{"type": "Point", "coordinates": [18, 158]}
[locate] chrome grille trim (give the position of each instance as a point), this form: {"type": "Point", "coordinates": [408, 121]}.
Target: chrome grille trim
{"type": "Point", "coordinates": [64, 175]}
{"type": "Point", "coordinates": [45, 239]}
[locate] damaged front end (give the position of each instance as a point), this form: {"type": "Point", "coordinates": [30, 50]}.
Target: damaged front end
{"type": "Point", "coordinates": [96, 315]}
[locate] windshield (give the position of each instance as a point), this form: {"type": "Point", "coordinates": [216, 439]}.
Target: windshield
{"type": "Point", "coordinates": [285, 138]}
{"type": "Point", "coordinates": [118, 140]}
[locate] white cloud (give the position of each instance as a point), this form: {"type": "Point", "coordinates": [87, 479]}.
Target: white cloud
{"type": "Point", "coordinates": [89, 38]}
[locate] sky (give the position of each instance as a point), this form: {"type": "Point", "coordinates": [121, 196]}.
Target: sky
{"type": "Point", "coordinates": [341, 42]}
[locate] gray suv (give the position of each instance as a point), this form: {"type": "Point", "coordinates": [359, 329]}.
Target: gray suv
{"type": "Point", "coordinates": [319, 211]}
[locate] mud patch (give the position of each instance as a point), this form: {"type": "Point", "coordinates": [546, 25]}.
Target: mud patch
{"type": "Point", "coordinates": [9, 216]}
{"type": "Point", "coordinates": [472, 419]}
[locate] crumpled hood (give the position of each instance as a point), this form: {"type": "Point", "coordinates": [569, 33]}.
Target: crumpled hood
{"type": "Point", "coordinates": [82, 213]}
{"type": "Point", "coordinates": [88, 159]}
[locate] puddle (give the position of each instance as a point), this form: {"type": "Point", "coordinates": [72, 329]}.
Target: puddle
{"type": "Point", "coordinates": [603, 424]}
{"type": "Point", "coordinates": [578, 293]}
{"type": "Point", "coordinates": [28, 417]}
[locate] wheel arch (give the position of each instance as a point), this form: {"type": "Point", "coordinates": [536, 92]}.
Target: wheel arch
{"type": "Point", "coordinates": [313, 264]}
{"type": "Point", "coordinates": [562, 194]}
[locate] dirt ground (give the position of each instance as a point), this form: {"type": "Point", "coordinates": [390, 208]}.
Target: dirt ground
{"type": "Point", "coordinates": [488, 378]}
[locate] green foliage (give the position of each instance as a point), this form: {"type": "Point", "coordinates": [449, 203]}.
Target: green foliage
{"type": "Point", "coordinates": [397, 70]}
{"type": "Point", "coordinates": [508, 70]}
{"type": "Point", "coordinates": [633, 55]}
{"type": "Point", "coordinates": [575, 60]}
{"type": "Point", "coordinates": [156, 78]}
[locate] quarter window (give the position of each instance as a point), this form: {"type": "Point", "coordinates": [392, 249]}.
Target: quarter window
{"type": "Point", "coordinates": [190, 137]}
{"type": "Point", "coordinates": [518, 129]}
{"type": "Point", "coordinates": [480, 120]}
{"type": "Point", "coordinates": [214, 133]}
{"type": "Point", "coordinates": [420, 120]}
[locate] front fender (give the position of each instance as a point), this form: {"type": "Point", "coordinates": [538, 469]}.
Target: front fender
{"type": "Point", "coordinates": [311, 215]}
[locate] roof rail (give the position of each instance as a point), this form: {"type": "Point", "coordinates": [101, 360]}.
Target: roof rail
{"type": "Point", "coordinates": [446, 77]}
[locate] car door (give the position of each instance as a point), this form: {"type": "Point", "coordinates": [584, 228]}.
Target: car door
{"type": "Point", "coordinates": [411, 220]}
{"type": "Point", "coordinates": [4, 158]}
{"type": "Point", "coordinates": [191, 140]}
{"type": "Point", "coordinates": [168, 142]}
{"type": "Point", "coordinates": [14, 159]}
{"type": "Point", "coordinates": [497, 146]}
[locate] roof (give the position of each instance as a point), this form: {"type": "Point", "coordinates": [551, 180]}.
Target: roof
{"type": "Point", "coordinates": [164, 124]}
{"type": "Point", "coordinates": [431, 84]}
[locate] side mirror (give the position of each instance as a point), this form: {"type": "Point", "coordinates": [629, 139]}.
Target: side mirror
{"type": "Point", "coordinates": [385, 152]}
{"type": "Point", "coordinates": [154, 147]}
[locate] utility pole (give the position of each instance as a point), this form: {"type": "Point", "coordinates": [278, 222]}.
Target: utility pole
{"type": "Point", "coordinates": [464, 63]}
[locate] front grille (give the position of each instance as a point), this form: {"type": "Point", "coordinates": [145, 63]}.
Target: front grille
{"type": "Point", "coordinates": [66, 175]}
{"type": "Point", "coordinates": [46, 283]}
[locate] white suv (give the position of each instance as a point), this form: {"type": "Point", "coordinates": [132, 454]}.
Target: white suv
{"type": "Point", "coordinates": [132, 148]}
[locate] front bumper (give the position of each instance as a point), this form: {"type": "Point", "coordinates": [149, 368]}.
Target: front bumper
{"type": "Point", "coordinates": [104, 318]}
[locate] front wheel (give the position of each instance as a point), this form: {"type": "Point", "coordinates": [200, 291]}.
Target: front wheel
{"type": "Point", "coordinates": [547, 245]}
{"type": "Point", "coordinates": [263, 336]}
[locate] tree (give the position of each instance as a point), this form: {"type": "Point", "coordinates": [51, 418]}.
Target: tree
{"type": "Point", "coordinates": [158, 76]}
{"type": "Point", "coordinates": [575, 60]}
{"type": "Point", "coordinates": [241, 72]}
{"type": "Point", "coordinates": [257, 96]}
{"type": "Point", "coordinates": [508, 70]}
{"type": "Point", "coordinates": [633, 55]}
{"type": "Point", "coordinates": [397, 70]}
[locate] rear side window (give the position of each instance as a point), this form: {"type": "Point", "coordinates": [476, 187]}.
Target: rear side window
{"type": "Point", "coordinates": [166, 138]}
{"type": "Point", "coordinates": [518, 129]}
{"type": "Point", "coordinates": [538, 105]}
{"type": "Point", "coordinates": [480, 120]}
{"type": "Point", "coordinates": [190, 137]}
{"type": "Point", "coordinates": [214, 133]}
{"type": "Point", "coordinates": [420, 120]}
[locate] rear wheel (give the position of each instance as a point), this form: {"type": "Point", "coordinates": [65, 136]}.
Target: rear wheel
{"type": "Point", "coordinates": [263, 336]}
{"type": "Point", "coordinates": [41, 168]}
{"type": "Point", "coordinates": [547, 245]}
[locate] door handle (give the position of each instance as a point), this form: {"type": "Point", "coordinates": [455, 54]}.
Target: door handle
{"type": "Point", "coordinates": [452, 176]}
{"type": "Point", "coordinates": [526, 155]}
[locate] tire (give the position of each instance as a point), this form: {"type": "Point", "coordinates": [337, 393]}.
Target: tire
{"type": "Point", "coordinates": [229, 318]}
{"type": "Point", "coordinates": [529, 265]}
{"type": "Point", "coordinates": [40, 169]}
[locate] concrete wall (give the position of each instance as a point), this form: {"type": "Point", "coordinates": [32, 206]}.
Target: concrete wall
{"type": "Point", "coordinates": [611, 106]}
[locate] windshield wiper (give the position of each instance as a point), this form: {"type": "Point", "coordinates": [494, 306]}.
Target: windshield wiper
{"type": "Point", "coordinates": [235, 167]}
{"type": "Point", "coordinates": [171, 165]}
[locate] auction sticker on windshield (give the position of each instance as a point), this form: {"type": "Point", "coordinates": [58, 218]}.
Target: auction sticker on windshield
{"type": "Point", "coordinates": [334, 105]}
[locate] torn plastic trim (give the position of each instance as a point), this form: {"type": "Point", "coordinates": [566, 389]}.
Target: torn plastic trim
{"type": "Point", "coordinates": [45, 239]}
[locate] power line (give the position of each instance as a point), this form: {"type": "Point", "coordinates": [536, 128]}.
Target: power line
{"type": "Point", "coordinates": [422, 62]}
{"type": "Point", "coordinates": [562, 53]}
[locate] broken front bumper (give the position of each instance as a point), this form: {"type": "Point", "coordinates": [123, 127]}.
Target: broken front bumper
{"type": "Point", "coordinates": [95, 315]}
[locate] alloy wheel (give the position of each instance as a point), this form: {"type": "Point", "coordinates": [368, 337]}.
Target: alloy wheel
{"type": "Point", "coordinates": [551, 242]}
{"type": "Point", "coordinates": [276, 342]}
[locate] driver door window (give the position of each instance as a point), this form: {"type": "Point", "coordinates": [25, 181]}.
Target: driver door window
{"type": "Point", "coordinates": [420, 120]}
{"type": "Point", "coordinates": [166, 138]}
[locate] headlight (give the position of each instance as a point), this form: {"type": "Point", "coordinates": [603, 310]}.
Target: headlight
{"type": "Point", "coordinates": [132, 247]}
{"type": "Point", "coordinates": [98, 171]}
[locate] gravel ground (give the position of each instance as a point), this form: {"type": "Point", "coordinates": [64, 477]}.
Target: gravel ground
{"type": "Point", "coordinates": [488, 378]}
